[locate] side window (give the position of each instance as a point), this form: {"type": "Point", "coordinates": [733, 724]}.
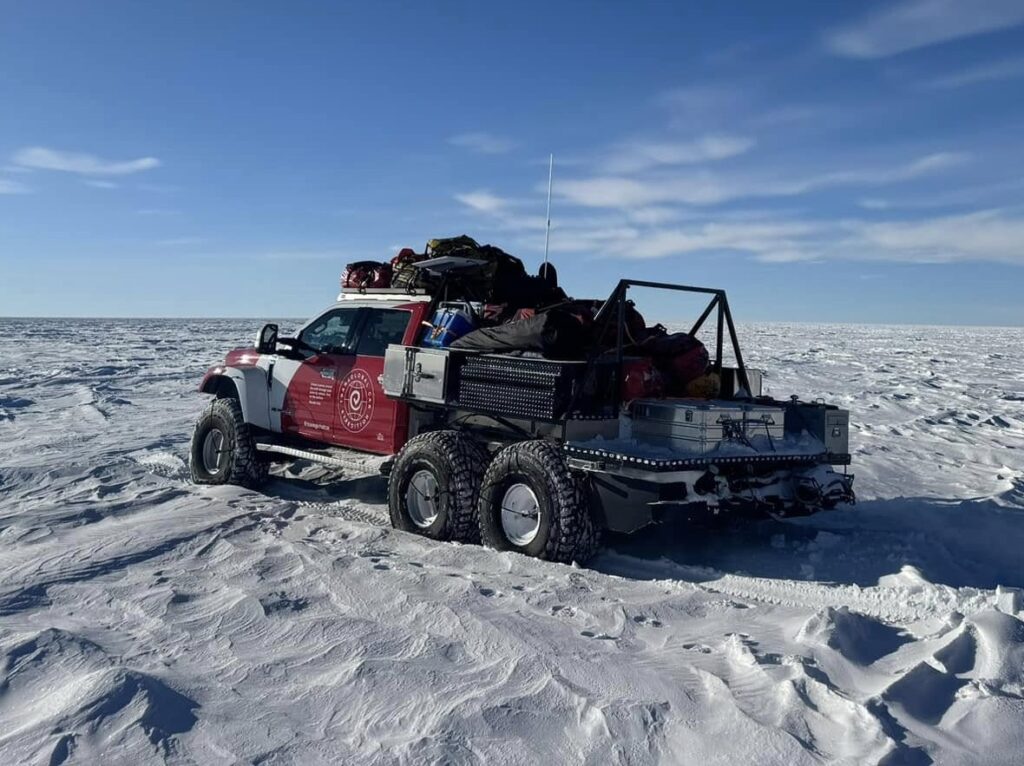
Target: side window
{"type": "Point", "coordinates": [331, 333]}
{"type": "Point", "coordinates": [383, 326]}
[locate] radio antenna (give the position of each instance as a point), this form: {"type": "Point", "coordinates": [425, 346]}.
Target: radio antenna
{"type": "Point", "coordinates": [547, 230]}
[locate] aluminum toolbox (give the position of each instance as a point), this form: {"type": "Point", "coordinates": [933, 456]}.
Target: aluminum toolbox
{"type": "Point", "coordinates": [416, 373]}
{"type": "Point", "coordinates": [533, 388]}
{"type": "Point", "coordinates": [701, 426]}
{"type": "Point", "coordinates": [825, 422]}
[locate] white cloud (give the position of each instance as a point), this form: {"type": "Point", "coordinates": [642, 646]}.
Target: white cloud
{"type": "Point", "coordinates": [913, 24]}
{"type": "Point", "coordinates": [158, 188]}
{"type": "Point", "coordinates": [100, 184]}
{"type": "Point", "coordinates": [482, 201]}
{"type": "Point", "coordinates": [483, 143]}
{"type": "Point", "coordinates": [181, 241]}
{"type": "Point", "coordinates": [770, 236]}
{"type": "Point", "coordinates": [874, 203]}
{"type": "Point", "coordinates": [708, 189]}
{"type": "Point", "coordinates": [641, 155]}
{"type": "Point", "coordinates": [764, 239]}
{"type": "Point", "coordinates": [41, 158]}
{"type": "Point", "coordinates": [8, 186]}
{"type": "Point", "coordinates": [997, 70]}
{"type": "Point", "coordinates": [653, 215]}
{"type": "Point", "coordinates": [989, 235]}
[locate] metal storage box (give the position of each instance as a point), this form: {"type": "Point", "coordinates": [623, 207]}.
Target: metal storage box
{"type": "Point", "coordinates": [700, 426]}
{"type": "Point", "coordinates": [825, 422]}
{"type": "Point", "coordinates": [533, 388]}
{"type": "Point", "coordinates": [416, 373]}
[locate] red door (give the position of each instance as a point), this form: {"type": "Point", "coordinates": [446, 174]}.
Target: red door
{"type": "Point", "coordinates": [366, 418]}
{"type": "Point", "coordinates": [310, 394]}
{"type": "Point", "coordinates": [310, 409]}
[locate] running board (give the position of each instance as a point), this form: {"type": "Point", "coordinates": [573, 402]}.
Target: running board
{"type": "Point", "coordinates": [369, 467]}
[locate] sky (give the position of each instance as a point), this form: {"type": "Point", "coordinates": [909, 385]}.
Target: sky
{"type": "Point", "coordinates": [822, 162]}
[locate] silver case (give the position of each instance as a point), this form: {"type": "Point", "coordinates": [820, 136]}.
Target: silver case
{"type": "Point", "coordinates": [830, 426]}
{"type": "Point", "coordinates": [416, 373]}
{"type": "Point", "coordinates": [703, 426]}
{"type": "Point", "coordinates": [837, 432]}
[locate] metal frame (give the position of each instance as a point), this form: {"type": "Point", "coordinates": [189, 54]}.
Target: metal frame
{"type": "Point", "coordinates": [616, 304]}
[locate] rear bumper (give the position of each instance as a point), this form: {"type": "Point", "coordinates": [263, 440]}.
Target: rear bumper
{"type": "Point", "coordinates": [630, 492]}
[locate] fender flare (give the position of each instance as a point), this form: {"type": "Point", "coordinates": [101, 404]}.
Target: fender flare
{"type": "Point", "coordinates": [249, 387]}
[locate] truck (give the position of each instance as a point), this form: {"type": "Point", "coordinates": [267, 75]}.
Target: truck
{"type": "Point", "coordinates": [514, 450]}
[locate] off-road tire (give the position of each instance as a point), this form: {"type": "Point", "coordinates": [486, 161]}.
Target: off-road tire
{"type": "Point", "coordinates": [567, 530]}
{"type": "Point", "coordinates": [457, 464]}
{"type": "Point", "coordinates": [240, 462]}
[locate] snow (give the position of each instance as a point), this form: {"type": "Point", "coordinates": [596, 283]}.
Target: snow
{"type": "Point", "coordinates": [146, 620]}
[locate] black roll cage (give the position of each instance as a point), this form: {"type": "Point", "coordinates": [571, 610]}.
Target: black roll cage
{"type": "Point", "coordinates": [615, 307]}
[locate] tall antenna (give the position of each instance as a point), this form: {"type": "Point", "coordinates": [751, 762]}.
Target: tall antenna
{"type": "Point", "coordinates": [547, 231]}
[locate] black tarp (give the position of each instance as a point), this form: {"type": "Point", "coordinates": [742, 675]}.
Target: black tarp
{"type": "Point", "coordinates": [556, 334]}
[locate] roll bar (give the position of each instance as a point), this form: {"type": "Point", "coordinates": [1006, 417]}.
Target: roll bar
{"type": "Point", "coordinates": [615, 307]}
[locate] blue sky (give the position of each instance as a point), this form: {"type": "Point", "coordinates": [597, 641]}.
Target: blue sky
{"type": "Point", "coordinates": [858, 162]}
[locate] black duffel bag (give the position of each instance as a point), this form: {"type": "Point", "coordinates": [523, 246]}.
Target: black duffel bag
{"type": "Point", "coordinates": [556, 334]}
{"type": "Point", "coordinates": [499, 281]}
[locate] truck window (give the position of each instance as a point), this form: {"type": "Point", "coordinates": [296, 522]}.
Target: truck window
{"type": "Point", "coordinates": [383, 326]}
{"type": "Point", "coordinates": [331, 332]}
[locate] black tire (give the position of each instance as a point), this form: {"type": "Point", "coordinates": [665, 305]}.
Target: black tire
{"type": "Point", "coordinates": [566, 531]}
{"type": "Point", "coordinates": [237, 460]}
{"type": "Point", "coordinates": [454, 464]}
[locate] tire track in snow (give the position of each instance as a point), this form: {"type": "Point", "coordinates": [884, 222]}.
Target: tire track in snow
{"type": "Point", "coordinates": [889, 604]}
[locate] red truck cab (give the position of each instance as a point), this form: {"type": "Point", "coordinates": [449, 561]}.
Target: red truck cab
{"type": "Point", "coordinates": [327, 386]}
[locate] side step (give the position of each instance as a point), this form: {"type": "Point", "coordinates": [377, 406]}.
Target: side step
{"type": "Point", "coordinates": [369, 465]}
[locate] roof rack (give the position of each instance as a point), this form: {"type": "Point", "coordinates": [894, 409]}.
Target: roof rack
{"type": "Point", "coordinates": [383, 294]}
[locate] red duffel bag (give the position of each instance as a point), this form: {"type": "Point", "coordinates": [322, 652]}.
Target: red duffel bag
{"type": "Point", "coordinates": [640, 380]}
{"type": "Point", "coordinates": [366, 274]}
{"type": "Point", "coordinates": [680, 357]}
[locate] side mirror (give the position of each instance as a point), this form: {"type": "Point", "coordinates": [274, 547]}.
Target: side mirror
{"type": "Point", "coordinates": [266, 341]}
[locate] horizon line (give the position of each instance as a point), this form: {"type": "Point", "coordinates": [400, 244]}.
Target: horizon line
{"type": "Point", "coordinates": [864, 323]}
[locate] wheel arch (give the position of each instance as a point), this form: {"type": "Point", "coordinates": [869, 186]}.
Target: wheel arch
{"type": "Point", "coordinates": [248, 386]}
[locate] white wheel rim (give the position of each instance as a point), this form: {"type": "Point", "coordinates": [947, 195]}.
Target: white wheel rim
{"type": "Point", "coordinates": [421, 498]}
{"type": "Point", "coordinates": [213, 444]}
{"type": "Point", "coordinates": [520, 515]}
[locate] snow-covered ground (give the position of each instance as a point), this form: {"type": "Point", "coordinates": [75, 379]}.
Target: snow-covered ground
{"type": "Point", "coordinates": [143, 619]}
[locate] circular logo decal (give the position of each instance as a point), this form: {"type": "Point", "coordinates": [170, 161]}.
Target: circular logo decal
{"type": "Point", "coordinates": [355, 401]}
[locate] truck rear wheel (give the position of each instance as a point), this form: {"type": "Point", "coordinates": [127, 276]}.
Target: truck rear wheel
{"type": "Point", "coordinates": [531, 503]}
{"type": "Point", "coordinates": [433, 486]}
{"type": "Point", "coordinates": [223, 450]}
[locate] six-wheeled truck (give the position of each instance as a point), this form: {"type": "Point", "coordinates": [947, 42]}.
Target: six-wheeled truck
{"type": "Point", "coordinates": [516, 451]}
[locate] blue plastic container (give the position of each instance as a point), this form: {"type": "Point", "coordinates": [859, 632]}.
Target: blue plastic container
{"type": "Point", "coordinates": [449, 322]}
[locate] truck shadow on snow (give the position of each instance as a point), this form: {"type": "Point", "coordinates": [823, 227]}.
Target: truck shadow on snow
{"type": "Point", "coordinates": [372, 490]}
{"type": "Point", "coordinates": [973, 543]}
{"type": "Point", "coordinates": [959, 543]}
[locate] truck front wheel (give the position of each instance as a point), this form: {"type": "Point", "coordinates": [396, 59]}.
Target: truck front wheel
{"type": "Point", "coordinates": [223, 450]}
{"type": "Point", "coordinates": [531, 503]}
{"type": "Point", "coordinates": [433, 486]}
